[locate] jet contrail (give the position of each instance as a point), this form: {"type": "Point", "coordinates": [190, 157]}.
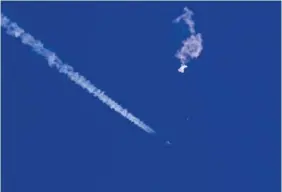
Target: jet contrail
{"type": "Point", "coordinates": [193, 45]}
{"type": "Point", "coordinates": [14, 30]}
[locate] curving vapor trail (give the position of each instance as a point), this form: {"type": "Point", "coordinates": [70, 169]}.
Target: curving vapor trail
{"type": "Point", "coordinates": [54, 61]}
{"type": "Point", "coordinates": [193, 45]}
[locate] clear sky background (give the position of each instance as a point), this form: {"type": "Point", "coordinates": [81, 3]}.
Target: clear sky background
{"type": "Point", "coordinates": [56, 137]}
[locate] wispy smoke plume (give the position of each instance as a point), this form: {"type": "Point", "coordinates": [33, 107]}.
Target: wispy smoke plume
{"type": "Point", "coordinates": [193, 45]}
{"type": "Point", "coordinates": [53, 60]}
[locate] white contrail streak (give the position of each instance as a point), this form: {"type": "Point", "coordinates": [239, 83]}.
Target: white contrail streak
{"type": "Point", "coordinates": [14, 30]}
{"type": "Point", "coordinates": [193, 45]}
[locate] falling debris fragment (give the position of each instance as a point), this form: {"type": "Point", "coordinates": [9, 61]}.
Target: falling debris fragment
{"type": "Point", "coordinates": [182, 68]}
{"type": "Point", "coordinates": [193, 45]}
{"type": "Point", "coordinates": [168, 142]}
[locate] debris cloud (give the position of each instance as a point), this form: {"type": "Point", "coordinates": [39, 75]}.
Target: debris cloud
{"type": "Point", "coordinates": [193, 45]}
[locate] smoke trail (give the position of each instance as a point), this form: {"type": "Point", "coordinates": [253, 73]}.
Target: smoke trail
{"type": "Point", "coordinates": [14, 30]}
{"type": "Point", "coordinates": [192, 46]}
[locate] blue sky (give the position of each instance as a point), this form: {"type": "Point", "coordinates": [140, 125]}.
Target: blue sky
{"type": "Point", "coordinates": [56, 137]}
